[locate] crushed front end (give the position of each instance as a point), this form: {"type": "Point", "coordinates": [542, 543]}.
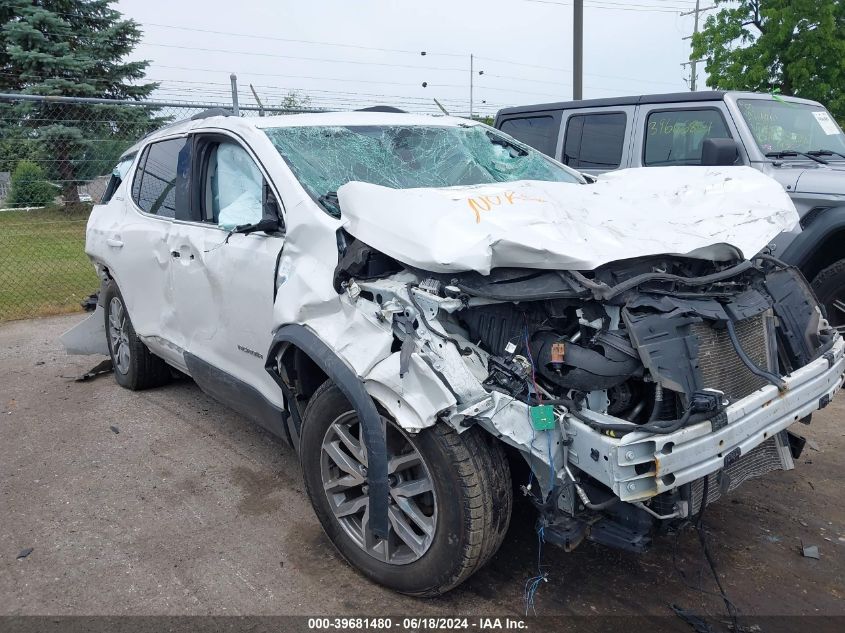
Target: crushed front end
{"type": "Point", "coordinates": [637, 392]}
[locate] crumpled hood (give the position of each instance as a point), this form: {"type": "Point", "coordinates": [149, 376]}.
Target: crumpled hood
{"type": "Point", "coordinates": [705, 212]}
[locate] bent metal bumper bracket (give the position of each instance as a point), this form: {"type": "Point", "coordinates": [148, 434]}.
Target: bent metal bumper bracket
{"type": "Point", "coordinates": [641, 465]}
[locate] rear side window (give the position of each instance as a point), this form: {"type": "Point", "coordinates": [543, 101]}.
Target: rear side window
{"type": "Point", "coordinates": [595, 141]}
{"type": "Point", "coordinates": [674, 137]}
{"type": "Point", "coordinates": [540, 132]}
{"type": "Point", "coordinates": [162, 177]}
{"type": "Point", "coordinates": [117, 176]}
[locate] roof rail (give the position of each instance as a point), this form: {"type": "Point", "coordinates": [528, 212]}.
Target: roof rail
{"type": "Point", "coordinates": [382, 108]}
{"type": "Point", "coordinates": [212, 112]}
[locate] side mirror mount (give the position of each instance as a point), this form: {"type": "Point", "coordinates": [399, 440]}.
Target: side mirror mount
{"type": "Point", "coordinates": [266, 224]}
{"type": "Point", "coordinates": [270, 210]}
{"type": "Point", "coordinates": [719, 152]}
{"type": "Point", "coordinates": [271, 219]}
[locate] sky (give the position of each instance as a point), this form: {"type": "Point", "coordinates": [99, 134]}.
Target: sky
{"type": "Point", "coordinates": [354, 53]}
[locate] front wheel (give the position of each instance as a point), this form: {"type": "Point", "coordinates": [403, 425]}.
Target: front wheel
{"type": "Point", "coordinates": [829, 286]}
{"type": "Point", "coordinates": [450, 497]}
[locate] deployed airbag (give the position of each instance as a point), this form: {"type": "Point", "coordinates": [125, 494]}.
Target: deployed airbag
{"type": "Point", "coordinates": [237, 187]}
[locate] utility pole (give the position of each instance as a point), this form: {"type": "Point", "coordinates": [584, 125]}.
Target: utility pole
{"type": "Point", "coordinates": [471, 73]}
{"type": "Point", "coordinates": [471, 84]}
{"type": "Point", "coordinates": [577, 49]}
{"type": "Point", "coordinates": [694, 63]}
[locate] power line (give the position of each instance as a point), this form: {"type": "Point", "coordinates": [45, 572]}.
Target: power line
{"type": "Point", "coordinates": [564, 70]}
{"type": "Point", "coordinates": [312, 59]}
{"type": "Point", "coordinates": [282, 91]}
{"type": "Point", "coordinates": [613, 6]}
{"type": "Point", "coordinates": [359, 81]}
{"type": "Point", "coordinates": [296, 41]}
{"type": "Point", "coordinates": [289, 40]}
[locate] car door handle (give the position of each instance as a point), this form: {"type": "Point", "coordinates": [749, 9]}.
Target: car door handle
{"type": "Point", "coordinates": [114, 242]}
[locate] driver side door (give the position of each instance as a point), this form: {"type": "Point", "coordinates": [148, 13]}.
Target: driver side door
{"type": "Point", "coordinates": [224, 282]}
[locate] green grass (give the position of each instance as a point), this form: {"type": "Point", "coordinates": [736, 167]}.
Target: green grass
{"type": "Point", "coordinates": [43, 266]}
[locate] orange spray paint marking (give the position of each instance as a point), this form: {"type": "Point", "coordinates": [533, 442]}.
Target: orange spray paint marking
{"type": "Point", "coordinates": [486, 203]}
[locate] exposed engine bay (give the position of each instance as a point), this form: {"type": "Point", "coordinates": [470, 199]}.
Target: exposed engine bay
{"type": "Point", "coordinates": [610, 383]}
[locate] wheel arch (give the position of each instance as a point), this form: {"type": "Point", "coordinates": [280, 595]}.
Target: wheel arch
{"type": "Point", "coordinates": [298, 358]}
{"type": "Point", "coordinates": [819, 244]}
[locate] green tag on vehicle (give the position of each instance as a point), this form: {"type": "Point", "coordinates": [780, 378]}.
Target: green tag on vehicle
{"type": "Point", "coordinates": [543, 417]}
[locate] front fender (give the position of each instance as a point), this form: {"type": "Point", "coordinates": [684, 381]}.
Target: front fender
{"type": "Point", "coordinates": [805, 246]}
{"type": "Point", "coordinates": [353, 389]}
{"type": "Point", "coordinates": [414, 399]}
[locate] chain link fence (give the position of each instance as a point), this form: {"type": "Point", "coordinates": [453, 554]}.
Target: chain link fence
{"type": "Point", "coordinates": [56, 158]}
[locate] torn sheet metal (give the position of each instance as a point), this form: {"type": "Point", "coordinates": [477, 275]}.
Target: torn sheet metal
{"type": "Point", "coordinates": [704, 212]}
{"type": "Point", "coordinates": [414, 399]}
{"type": "Point", "coordinates": [88, 336]}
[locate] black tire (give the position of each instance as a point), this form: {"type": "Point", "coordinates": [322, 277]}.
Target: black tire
{"type": "Point", "coordinates": [829, 286]}
{"type": "Point", "coordinates": [144, 369]}
{"type": "Point", "coordinates": [471, 480]}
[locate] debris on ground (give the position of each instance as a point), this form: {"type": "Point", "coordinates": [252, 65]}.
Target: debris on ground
{"type": "Point", "coordinates": [104, 367]}
{"type": "Point", "coordinates": [814, 445]}
{"type": "Point", "coordinates": [89, 303]}
{"type": "Point", "coordinates": [24, 553]}
{"type": "Point", "coordinates": [810, 551]}
{"type": "Point", "coordinates": [114, 430]}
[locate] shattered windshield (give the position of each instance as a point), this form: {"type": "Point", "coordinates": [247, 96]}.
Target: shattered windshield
{"type": "Point", "coordinates": [401, 157]}
{"type": "Point", "coordinates": [786, 126]}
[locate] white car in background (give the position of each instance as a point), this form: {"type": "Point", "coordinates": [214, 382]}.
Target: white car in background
{"type": "Point", "coordinates": [427, 309]}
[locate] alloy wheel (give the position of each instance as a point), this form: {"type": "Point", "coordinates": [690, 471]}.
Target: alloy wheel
{"type": "Point", "coordinates": [119, 335]}
{"type": "Point", "coordinates": [412, 509]}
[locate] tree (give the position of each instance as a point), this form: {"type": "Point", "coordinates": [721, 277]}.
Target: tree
{"type": "Point", "coordinates": [796, 47]}
{"type": "Point", "coordinates": [295, 100]}
{"type": "Point", "coordinates": [70, 48]}
{"type": "Point", "coordinates": [29, 187]}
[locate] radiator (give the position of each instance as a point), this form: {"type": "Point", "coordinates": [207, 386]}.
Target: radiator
{"type": "Point", "coordinates": [720, 365]}
{"type": "Point", "coordinates": [773, 454]}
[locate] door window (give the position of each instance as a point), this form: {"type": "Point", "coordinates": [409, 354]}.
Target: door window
{"type": "Point", "coordinates": [595, 141]}
{"type": "Point", "coordinates": [233, 187]}
{"type": "Point", "coordinates": [162, 178]}
{"type": "Point", "coordinates": [540, 132]}
{"type": "Point", "coordinates": [674, 137]}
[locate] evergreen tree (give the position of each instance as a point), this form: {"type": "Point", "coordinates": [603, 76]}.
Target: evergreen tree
{"type": "Point", "coordinates": [70, 48]}
{"type": "Point", "coordinates": [29, 187]}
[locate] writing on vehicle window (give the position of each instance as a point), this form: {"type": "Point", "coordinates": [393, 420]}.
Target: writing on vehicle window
{"type": "Point", "coordinates": [674, 137]}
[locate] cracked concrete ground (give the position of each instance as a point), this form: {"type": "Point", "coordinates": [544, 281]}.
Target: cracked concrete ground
{"type": "Point", "coordinates": [190, 509]}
